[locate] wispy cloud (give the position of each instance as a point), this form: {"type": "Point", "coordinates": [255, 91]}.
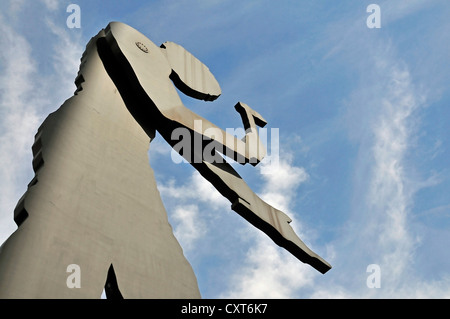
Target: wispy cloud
{"type": "Point", "coordinates": [18, 121]}
{"type": "Point", "coordinates": [383, 119]}
{"type": "Point", "coordinates": [389, 197]}
{"type": "Point", "coordinates": [268, 271]}
{"type": "Point", "coordinates": [65, 57]}
{"type": "Point", "coordinates": [27, 96]}
{"type": "Point", "coordinates": [196, 188]}
{"type": "Point", "coordinates": [397, 10]}
{"type": "Point", "coordinates": [51, 5]}
{"type": "Point", "coordinates": [15, 6]}
{"type": "Point", "coordinates": [188, 196]}
{"type": "Point", "coordinates": [189, 225]}
{"type": "Point", "coordinates": [281, 182]}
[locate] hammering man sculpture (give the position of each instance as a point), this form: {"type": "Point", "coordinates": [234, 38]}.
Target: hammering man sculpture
{"type": "Point", "coordinates": [93, 201]}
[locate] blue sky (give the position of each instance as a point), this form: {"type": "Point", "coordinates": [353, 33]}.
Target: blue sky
{"type": "Point", "coordinates": [363, 141]}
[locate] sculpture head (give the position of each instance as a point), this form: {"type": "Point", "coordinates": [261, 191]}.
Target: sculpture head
{"type": "Point", "coordinates": [169, 61]}
{"type": "Point", "coordinates": [156, 104]}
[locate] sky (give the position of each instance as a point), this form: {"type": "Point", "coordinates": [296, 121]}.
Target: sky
{"type": "Point", "coordinates": [361, 115]}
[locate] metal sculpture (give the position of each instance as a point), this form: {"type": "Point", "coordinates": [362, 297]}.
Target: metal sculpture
{"type": "Point", "coordinates": [93, 201]}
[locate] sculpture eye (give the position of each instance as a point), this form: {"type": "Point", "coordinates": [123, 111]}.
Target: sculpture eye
{"type": "Point", "coordinates": [142, 46]}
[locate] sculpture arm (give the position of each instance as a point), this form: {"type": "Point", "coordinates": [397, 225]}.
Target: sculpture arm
{"type": "Point", "coordinates": [251, 207]}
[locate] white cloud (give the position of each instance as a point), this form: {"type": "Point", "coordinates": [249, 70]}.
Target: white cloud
{"type": "Point", "coordinates": [393, 11]}
{"type": "Point", "coordinates": [18, 122]}
{"type": "Point", "coordinates": [15, 6]}
{"type": "Point", "coordinates": [182, 202]}
{"type": "Point", "coordinates": [383, 120]}
{"type": "Point", "coordinates": [66, 55]}
{"type": "Point", "coordinates": [281, 181]}
{"type": "Point", "coordinates": [389, 195]}
{"type": "Point", "coordinates": [269, 271]}
{"type": "Point", "coordinates": [51, 5]}
{"type": "Point", "coordinates": [189, 226]}
{"type": "Point", "coordinates": [26, 98]}
{"type": "Point", "coordinates": [195, 189]}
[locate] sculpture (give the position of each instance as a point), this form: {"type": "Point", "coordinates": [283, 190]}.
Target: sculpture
{"type": "Point", "coordinates": [93, 201]}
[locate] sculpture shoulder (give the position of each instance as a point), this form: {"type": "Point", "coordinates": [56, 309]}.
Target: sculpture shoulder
{"type": "Point", "coordinates": [152, 63]}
